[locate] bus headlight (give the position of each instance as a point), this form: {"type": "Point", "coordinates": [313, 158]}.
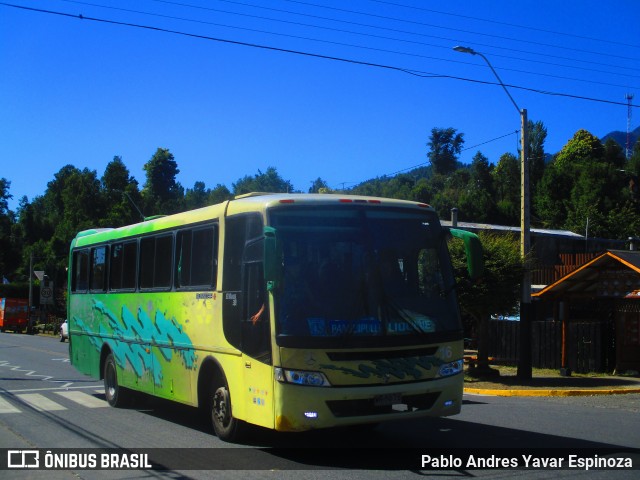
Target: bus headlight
{"type": "Point", "coordinates": [451, 368]}
{"type": "Point", "coordinates": [302, 377]}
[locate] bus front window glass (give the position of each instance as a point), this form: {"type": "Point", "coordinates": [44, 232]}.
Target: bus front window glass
{"type": "Point", "coordinates": [363, 273]}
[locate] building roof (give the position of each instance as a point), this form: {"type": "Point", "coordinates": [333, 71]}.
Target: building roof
{"type": "Point", "coordinates": [506, 228]}
{"type": "Point", "coordinates": [592, 277]}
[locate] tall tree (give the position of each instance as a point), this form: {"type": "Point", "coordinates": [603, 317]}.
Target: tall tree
{"type": "Point", "coordinates": [269, 181]}
{"type": "Point", "coordinates": [582, 186]}
{"type": "Point", "coordinates": [5, 196]}
{"type": "Point", "coordinates": [162, 193]}
{"type": "Point", "coordinates": [445, 144]}
{"type": "Point", "coordinates": [197, 196]}
{"type": "Point", "coordinates": [121, 195]}
{"type": "Point", "coordinates": [477, 200]}
{"type": "Point", "coordinates": [220, 193]}
{"type": "Point", "coordinates": [581, 148]}
{"type": "Point", "coordinates": [319, 186]}
{"type": "Point", "coordinates": [506, 181]}
{"type": "Point", "coordinates": [537, 155]}
{"type": "Point", "coordinates": [7, 253]}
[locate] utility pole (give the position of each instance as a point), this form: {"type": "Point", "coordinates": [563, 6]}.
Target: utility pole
{"type": "Point", "coordinates": [524, 357]}
{"type": "Point", "coordinates": [629, 97]}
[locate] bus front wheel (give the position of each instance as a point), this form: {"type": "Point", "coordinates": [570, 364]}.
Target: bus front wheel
{"type": "Point", "coordinates": [116, 397]}
{"type": "Point", "coordinates": [225, 426]}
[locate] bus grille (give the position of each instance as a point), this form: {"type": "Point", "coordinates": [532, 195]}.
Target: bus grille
{"type": "Point", "coordinates": [364, 407]}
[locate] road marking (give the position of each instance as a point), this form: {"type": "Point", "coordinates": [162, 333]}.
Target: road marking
{"type": "Point", "coordinates": [6, 407]}
{"type": "Point", "coordinates": [83, 399]}
{"type": "Point", "coordinates": [53, 389]}
{"type": "Point", "coordinates": [40, 402]}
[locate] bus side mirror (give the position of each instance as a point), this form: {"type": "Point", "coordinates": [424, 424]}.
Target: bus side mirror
{"type": "Point", "coordinates": [272, 260]}
{"type": "Point", "coordinates": [473, 251]}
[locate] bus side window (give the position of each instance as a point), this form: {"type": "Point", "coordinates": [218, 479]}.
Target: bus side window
{"type": "Point", "coordinates": [196, 257]}
{"type": "Point", "coordinates": [122, 267]}
{"type": "Point", "coordinates": [156, 253]}
{"type": "Point", "coordinates": [98, 269]}
{"type": "Point", "coordinates": [80, 278]}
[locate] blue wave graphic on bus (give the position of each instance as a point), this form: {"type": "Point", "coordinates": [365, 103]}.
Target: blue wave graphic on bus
{"type": "Point", "coordinates": [128, 335]}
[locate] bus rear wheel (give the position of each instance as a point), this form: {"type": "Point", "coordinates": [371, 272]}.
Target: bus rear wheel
{"type": "Point", "coordinates": [225, 426]}
{"type": "Point", "coordinates": [115, 394]}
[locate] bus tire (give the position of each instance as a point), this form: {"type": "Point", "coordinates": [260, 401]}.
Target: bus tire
{"type": "Point", "coordinates": [116, 395]}
{"type": "Point", "coordinates": [225, 425]}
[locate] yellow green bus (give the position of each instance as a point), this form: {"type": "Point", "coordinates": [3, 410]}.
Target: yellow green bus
{"type": "Point", "coordinates": [287, 311]}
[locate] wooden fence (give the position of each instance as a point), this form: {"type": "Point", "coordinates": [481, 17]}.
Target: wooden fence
{"type": "Point", "coordinates": [591, 345]}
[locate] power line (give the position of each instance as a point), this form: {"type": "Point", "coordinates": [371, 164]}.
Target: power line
{"type": "Point", "coordinates": [453, 29]}
{"type": "Point", "coordinates": [425, 163]}
{"type": "Point", "coordinates": [455, 40]}
{"type": "Point", "coordinates": [417, 73]}
{"type": "Point", "coordinates": [348, 44]}
{"type": "Point", "coordinates": [463, 150]}
{"type": "Point", "coordinates": [535, 29]}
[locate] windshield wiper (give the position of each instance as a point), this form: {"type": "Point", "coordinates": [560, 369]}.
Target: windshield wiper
{"type": "Point", "coordinates": [400, 313]}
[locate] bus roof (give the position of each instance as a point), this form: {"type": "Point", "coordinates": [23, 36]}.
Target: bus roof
{"type": "Point", "coordinates": [250, 202]}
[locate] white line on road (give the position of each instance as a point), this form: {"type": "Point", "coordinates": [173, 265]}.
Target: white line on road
{"type": "Point", "coordinates": [51, 389]}
{"type": "Point", "coordinates": [84, 399]}
{"type": "Point", "coordinates": [6, 407]}
{"type": "Point", "coordinates": [40, 402]}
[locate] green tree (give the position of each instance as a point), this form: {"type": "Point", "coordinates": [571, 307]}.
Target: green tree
{"type": "Point", "coordinates": [72, 202]}
{"type": "Point", "coordinates": [5, 196]}
{"type": "Point", "coordinates": [319, 186]}
{"type": "Point", "coordinates": [497, 293]}
{"type": "Point", "coordinates": [477, 200]}
{"type": "Point", "coordinates": [550, 199]}
{"type": "Point", "coordinates": [7, 219]}
{"type": "Point", "coordinates": [448, 192]}
{"type": "Point", "coordinates": [581, 148]}
{"type": "Point", "coordinates": [506, 182]}
{"type": "Point", "coordinates": [537, 155]}
{"type": "Point", "coordinates": [197, 197]}
{"type": "Point", "coordinates": [162, 193]}
{"type": "Point", "coordinates": [614, 154]}
{"type": "Point", "coordinates": [582, 186]}
{"type": "Point", "coordinates": [220, 193]}
{"type": "Point", "coordinates": [270, 181]}
{"type": "Point", "coordinates": [632, 165]}
{"type": "Point", "coordinates": [121, 195]}
{"type": "Point", "coordinates": [445, 144]}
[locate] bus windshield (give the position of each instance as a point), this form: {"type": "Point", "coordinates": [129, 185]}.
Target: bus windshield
{"type": "Point", "coordinates": [361, 273]}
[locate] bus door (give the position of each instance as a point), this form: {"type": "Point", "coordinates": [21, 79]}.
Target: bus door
{"type": "Point", "coordinates": [256, 341]}
{"type": "Point", "coordinates": [246, 319]}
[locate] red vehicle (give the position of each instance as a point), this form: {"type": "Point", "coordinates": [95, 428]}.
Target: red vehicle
{"type": "Point", "coordinates": [14, 314]}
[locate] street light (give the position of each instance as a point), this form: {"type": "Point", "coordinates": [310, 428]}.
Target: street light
{"type": "Point", "coordinates": [524, 361]}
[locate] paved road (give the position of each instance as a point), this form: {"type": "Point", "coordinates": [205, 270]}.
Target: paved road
{"type": "Point", "coordinates": [45, 403]}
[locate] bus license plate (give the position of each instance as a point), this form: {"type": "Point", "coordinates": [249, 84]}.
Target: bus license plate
{"type": "Point", "coordinates": [387, 399]}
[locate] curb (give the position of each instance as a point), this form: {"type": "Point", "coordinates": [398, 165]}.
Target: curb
{"type": "Point", "coordinates": [549, 393]}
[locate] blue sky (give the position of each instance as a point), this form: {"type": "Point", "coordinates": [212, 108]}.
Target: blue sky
{"type": "Point", "coordinates": [80, 92]}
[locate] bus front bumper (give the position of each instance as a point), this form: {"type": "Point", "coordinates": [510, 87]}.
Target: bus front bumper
{"type": "Point", "coordinates": [300, 408]}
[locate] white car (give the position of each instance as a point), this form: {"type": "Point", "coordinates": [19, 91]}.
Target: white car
{"type": "Point", "coordinates": [64, 331]}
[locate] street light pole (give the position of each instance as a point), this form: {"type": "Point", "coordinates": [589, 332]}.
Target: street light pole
{"type": "Point", "coordinates": [524, 359]}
